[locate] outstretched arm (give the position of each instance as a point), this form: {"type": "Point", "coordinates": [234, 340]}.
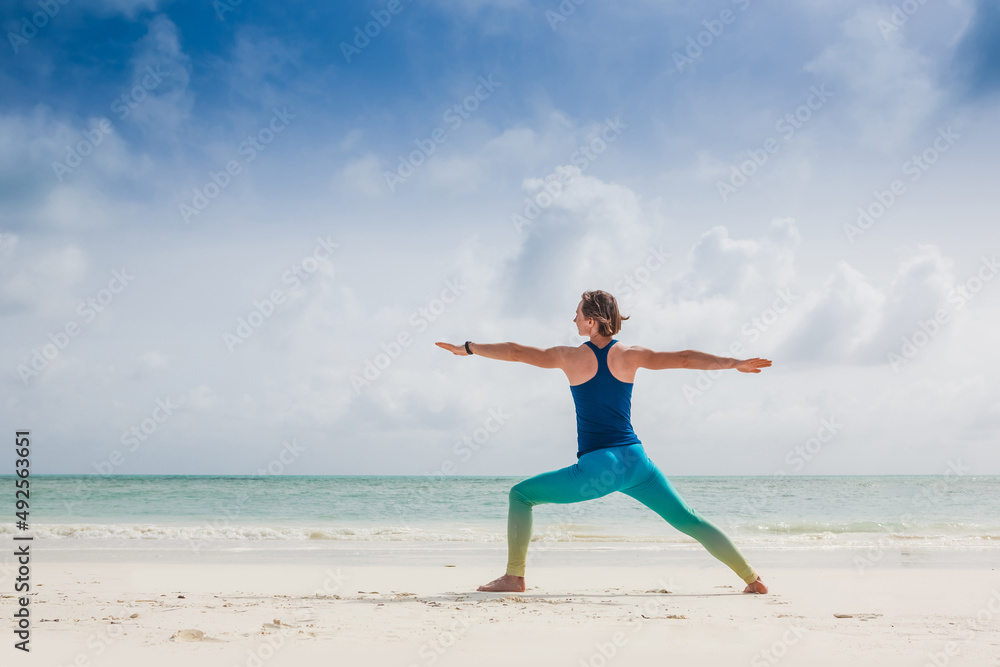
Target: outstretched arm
{"type": "Point", "coordinates": [646, 358]}
{"type": "Point", "coordinates": [552, 357]}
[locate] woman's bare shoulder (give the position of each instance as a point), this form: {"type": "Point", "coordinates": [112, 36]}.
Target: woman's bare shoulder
{"type": "Point", "coordinates": [631, 357]}
{"type": "Point", "coordinates": [625, 348]}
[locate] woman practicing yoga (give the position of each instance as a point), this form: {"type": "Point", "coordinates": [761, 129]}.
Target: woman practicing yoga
{"type": "Point", "coordinates": [610, 456]}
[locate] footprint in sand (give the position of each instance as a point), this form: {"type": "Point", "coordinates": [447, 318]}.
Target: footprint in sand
{"type": "Point", "coordinates": [191, 635]}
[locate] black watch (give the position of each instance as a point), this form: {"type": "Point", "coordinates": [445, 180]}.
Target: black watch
{"type": "Point", "coordinates": [467, 346]}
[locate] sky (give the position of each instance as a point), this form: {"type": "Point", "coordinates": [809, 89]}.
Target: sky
{"type": "Point", "coordinates": [231, 232]}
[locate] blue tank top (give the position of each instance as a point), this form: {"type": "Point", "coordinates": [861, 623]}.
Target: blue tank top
{"type": "Point", "coordinates": [603, 408]}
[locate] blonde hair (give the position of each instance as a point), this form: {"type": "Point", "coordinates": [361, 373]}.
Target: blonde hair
{"type": "Point", "coordinates": [601, 307]}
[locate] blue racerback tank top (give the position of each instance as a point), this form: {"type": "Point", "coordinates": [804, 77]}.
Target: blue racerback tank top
{"type": "Point", "coordinates": [603, 408]}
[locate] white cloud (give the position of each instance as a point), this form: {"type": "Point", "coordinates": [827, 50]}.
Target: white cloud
{"type": "Point", "coordinates": [889, 88]}
{"type": "Point", "coordinates": [362, 176]}
{"type": "Point", "coordinates": [41, 282]}
{"type": "Point", "coordinates": [8, 245]}
{"type": "Point", "coordinates": [483, 158]}
{"type": "Point", "coordinates": [837, 321]}
{"type": "Point", "coordinates": [589, 236]}
{"type": "Point", "coordinates": [42, 153]}
{"type": "Point", "coordinates": [158, 98]}
{"type": "Point", "coordinates": [75, 206]}
{"type": "Point", "coordinates": [257, 59]}
{"type": "Point", "coordinates": [351, 139]}
{"type": "Point", "coordinates": [128, 8]}
{"type": "Point", "coordinates": [854, 321]}
{"type": "Point", "coordinates": [741, 267]}
{"type": "Point", "coordinates": [154, 360]}
{"type": "Point", "coordinates": [202, 398]}
{"type": "Point", "coordinates": [67, 174]}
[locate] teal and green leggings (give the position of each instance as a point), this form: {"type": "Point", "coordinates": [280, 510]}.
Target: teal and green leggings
{"type": "Point", "coordinates": [603, 471]}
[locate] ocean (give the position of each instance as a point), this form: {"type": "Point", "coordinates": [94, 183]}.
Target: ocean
{"type": "Point", "coordinates": [763, 512]}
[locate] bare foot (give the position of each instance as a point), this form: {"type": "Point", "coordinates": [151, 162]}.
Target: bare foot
{"type": "Point", "coordinates": [756, 587]}
{"type": "Point", "coordinates": [507, 582]}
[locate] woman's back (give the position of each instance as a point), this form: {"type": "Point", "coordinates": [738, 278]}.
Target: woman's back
{"type": "Point", "coordinates": [603, 407]}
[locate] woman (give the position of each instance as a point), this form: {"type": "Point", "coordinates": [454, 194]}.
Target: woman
{"type": "Point", "coordinates": [610, 456]}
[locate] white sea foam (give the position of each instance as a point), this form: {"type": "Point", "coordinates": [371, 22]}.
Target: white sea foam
{"type": "Point", "coordinates": [782, 534]}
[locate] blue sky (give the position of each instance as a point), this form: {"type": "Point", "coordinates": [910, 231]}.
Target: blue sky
{"type": "Point", "coordinates": [738, 140]}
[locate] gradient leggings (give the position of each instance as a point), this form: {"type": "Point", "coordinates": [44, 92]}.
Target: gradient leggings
{"type": "Point", "coordinates": [603, 471]}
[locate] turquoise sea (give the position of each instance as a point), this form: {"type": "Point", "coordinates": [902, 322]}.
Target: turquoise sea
{"type": "Point", "coordinates": [959, 511]}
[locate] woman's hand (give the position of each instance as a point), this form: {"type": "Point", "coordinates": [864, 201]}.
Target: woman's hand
{"type": "Point", "coordinates": [752, 365]}
{"type": "Point", "coordinates": [456, 349]}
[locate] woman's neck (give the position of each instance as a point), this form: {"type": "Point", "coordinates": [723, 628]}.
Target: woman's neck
{"type": "Point", "coordinates": [600, 341]}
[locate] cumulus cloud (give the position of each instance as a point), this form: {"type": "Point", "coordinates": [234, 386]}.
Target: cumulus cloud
{"type": "Point", "coordinates": [835, 322]}
{"type": "Point", "coordinates": [721, 265]}
{"type": "Point", "coordinates": [158, 98]}
{"type": "Point", "coordinates": [588, 236]}
{"type": "Point", "coordinates": [39, 281]}
{"type": "Point", "coordinates": [48, 160]}
{"type": "Point", "coordinates": [79, 166]}
{"type": "Point", "coordinates": [889, 88]}
{"type": "Point", "coordinates": [853, 321]}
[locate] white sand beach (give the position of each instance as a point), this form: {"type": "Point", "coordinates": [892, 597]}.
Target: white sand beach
{"type": "Point", "coordinates": [235, 610]}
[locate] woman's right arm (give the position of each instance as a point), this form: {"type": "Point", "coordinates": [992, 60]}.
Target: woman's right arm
{"type": "Point", "coordinates": [553, 357]}
{"type": "Point", "coordinates": [501, 351]}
